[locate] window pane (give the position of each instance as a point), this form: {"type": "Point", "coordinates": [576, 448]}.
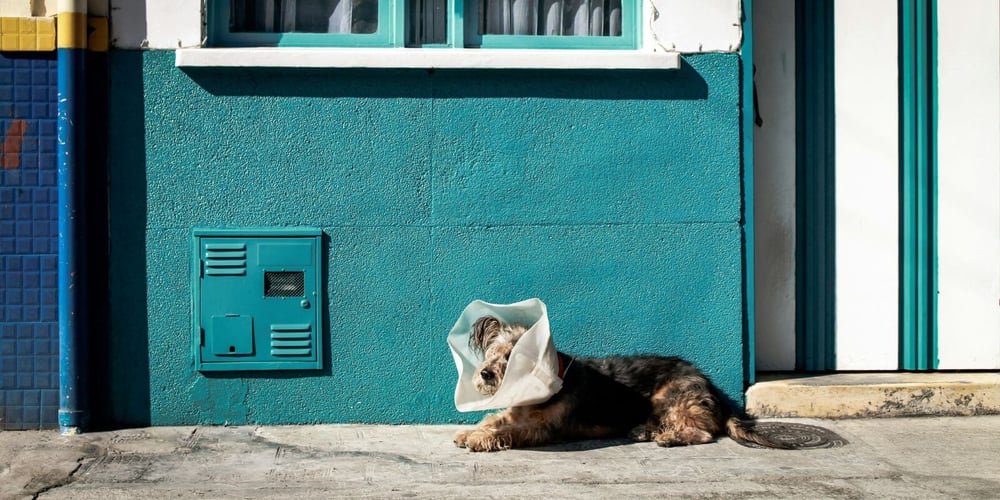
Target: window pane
{"type": "Point", "coordinates": [428, 21]}
{"type": "Point", "coordinates": [551, 17]}
{"type": "Point", "coordinates": [304, 16]}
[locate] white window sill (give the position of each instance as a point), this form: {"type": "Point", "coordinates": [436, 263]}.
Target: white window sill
{"type": "Point", "coordinates": [273, 57]}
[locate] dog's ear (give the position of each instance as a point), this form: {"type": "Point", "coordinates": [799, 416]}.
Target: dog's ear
{"type": "Point", "coordinates": [484, 331]}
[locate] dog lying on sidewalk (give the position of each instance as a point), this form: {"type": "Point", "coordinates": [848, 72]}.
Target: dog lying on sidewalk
{"type": "Point", "coordinates": [647, 398]}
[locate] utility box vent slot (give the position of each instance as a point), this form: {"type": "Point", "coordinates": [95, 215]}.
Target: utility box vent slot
{"type": "Point", "coordinates": [246, 281]}
{"type": "Point", "coordinates": [291, 340]}
{"type": "Point", "coordinates": [226, 259]}
{"type": "Point", "coordinates": [284, 284]}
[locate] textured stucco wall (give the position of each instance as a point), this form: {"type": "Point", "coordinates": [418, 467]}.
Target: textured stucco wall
{"type": "Point", "coordinates": [612, 196]}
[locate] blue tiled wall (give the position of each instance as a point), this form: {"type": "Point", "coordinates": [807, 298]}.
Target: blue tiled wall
{"type": "Point", "coordinates": [29, 368]}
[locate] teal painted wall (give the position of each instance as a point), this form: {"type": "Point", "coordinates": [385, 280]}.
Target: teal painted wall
{"type": "Point", "coordinates": [612, 196]}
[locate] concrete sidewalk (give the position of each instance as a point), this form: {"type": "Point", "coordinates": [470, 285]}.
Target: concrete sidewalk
{"type": "Point", "coordinates": [939, 457]}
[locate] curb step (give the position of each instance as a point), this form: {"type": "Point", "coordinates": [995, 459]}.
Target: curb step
{"type": "Point", "coordinates": [873, 395]}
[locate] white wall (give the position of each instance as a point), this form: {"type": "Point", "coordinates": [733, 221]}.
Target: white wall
{"type": "Point", "coordinates": [774, 184]}
{"type": "Point", "coordinates": [156, 24]}
{"type": "Point", "coordinates": [46, 8]}
{"type": "Point", "coordinates": [969, 184]}
{"type": "Point", "coordinates": [867, 184]}
{"type": "Point", "coordinates": [15, 8]}
{"type": "Point", "coordinates": [695, 26]}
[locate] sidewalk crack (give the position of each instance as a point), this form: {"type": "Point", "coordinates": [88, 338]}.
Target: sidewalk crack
{"type": "Point", "coordinates": [69, 478]}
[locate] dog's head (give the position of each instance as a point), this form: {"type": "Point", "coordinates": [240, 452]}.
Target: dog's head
{"type": "Point", "coordinates": [495, 340]}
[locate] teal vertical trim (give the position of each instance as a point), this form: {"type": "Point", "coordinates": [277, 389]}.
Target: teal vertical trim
{"type": "Point", "coordinates": [397, 19]}
{"type": "Point", "coordinates": [933, 292]}
{"type": "Point", "coordinates": [456, 24]}
{"type": "Point", "coordinates": [918, 184]}
{"type": "Point", "coordinates": [815, 319]}
{"type": "Point", "coordinates": [749, 234]}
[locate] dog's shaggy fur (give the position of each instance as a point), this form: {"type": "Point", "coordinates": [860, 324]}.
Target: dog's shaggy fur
{"type": "Point", "coordinates": [647, 398]}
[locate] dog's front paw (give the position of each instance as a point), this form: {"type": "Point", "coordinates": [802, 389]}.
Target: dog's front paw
{"type": "Point", "coordinates": [641, 433]}
{"type": "Point", "coordinates": [461, 437]}
{"type": "Point", "coordinates": [478, 440]}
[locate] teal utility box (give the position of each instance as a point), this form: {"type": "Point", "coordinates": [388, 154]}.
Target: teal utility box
{"type": "Point", "coordinates": [257, 299]}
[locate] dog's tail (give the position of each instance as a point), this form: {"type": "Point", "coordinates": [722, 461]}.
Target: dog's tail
{"type": "Point", "coordinates": [744, 432]}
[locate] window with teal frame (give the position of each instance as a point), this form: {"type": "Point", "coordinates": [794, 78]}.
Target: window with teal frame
{"type": "Point", "coordinates": [552, 24]}
{"type": "Point", "coordinates": [302, 23]}
{"type": "Point", "coordinates": [507, 24]}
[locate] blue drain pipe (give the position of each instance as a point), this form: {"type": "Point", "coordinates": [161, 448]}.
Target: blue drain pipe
{"type": "Point", "coordinates": [71, 40]}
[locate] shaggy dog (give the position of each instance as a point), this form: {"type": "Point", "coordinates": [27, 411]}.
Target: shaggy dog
{"type": "Point", "coordinates": [647, 398]}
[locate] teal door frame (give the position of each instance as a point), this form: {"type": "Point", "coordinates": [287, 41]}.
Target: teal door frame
{"type": "Point", "coordinates": [748, 109]}
{"type": "Point", "coordinates": [918, 184]}
{"type": "Point", "coordinates": [815, 275]}
{"type": "Point", "coordinates": [815, 161]}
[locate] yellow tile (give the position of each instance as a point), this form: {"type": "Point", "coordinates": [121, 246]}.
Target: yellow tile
{"type": "Point", "coordinates": [28, 42]}
{"type": "Point", "coordinates": [46, 26]}
{"type": "Point", "coordinates": [27, 33]}
{"type": "Point", "coordinates": [47, 41]}
{"type": "Point", "coordinates": [8, 25]}
{"type": "Point", "coordinates": [8, 41]}
{"type": "Point", "coordinates": [27, 25]}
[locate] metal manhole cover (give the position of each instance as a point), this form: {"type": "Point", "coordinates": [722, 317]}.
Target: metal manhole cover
{"type": "Point", "coordinates": [798, 436]}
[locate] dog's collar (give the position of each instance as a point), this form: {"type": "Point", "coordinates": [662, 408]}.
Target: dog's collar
{"type": "Point", "coordinates": [564, 364]}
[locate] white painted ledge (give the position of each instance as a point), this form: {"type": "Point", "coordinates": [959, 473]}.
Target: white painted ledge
{"type": "Point", "coordinates": [274, 57]}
